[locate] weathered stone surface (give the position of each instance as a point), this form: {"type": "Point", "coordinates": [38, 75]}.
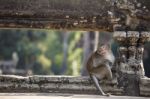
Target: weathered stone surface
{"type": "Point", "coordinates": [145, 86]}
{"type": "Point", "coordinates": [65, 84]}
{"type": "Point", "coordinates": [74, 14]}
{"type": "Point", "coordinates": [129, 83]}
{"type": "Point", "coordinates": [54, 84]}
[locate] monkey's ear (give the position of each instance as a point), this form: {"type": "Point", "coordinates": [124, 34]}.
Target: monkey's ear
{"type": "Point", "coordinates": [99, 45]}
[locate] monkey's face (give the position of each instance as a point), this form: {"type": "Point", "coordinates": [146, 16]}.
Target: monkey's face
{"type": "Point", "coordinates": [102, 50]}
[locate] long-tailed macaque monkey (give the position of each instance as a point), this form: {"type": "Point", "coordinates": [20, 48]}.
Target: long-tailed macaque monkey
{"type": "Point", "coordinates": [99, 65]}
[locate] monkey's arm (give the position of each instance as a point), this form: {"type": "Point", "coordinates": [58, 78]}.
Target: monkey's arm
{"type": "Point", "coordinates": [89, 64]}
{"type": "Point", "coordinates": [106, 62]}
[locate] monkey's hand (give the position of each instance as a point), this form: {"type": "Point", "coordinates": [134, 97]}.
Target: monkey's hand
{"type": "Point", "coordinates": [108, 62]}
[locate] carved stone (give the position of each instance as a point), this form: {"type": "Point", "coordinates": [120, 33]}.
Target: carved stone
{"type": "Point", "coordinates": [120, 37]}
{"type": "Point", "coordinates": [131, 47]}
{"type": "Point", "coordinates": [132, 37]}
{"type": "Point", "coordinates": [123, 53]}
{"type": "Point", "coordinates": [133, 54]}
{"type": "Point", "coordinates": [74, 14]}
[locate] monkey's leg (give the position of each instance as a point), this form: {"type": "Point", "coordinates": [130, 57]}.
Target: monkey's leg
{"type": "Point", "coordinates": [95, 80]}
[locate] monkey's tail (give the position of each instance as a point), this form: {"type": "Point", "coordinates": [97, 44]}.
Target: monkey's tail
{"type": "Point", "coordinates": [95, 80]}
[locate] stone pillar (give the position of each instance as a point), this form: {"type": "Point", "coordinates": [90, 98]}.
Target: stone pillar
{"type": "Point", "coordinates": [143, 38]}
{"type": "Point", "coordinates": [130, 65]}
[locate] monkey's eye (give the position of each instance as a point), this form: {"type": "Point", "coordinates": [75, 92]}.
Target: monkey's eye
{"type": "Point", "coordinates": [103, 47]}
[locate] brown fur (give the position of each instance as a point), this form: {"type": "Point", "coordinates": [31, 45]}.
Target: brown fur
{"type": "Point", "coordinates": [98, 64]}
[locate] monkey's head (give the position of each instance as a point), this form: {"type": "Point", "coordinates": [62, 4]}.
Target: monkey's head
{"type": "Point", "coordinates": [103, 49]}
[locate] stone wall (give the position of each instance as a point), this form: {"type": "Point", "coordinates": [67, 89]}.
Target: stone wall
{"type": "Point", "coordinates": [54, 84]}
{"type": "Point", "coordinates": [63, 84]}
{"type": "Point", "coordinates": [144, 87]}
{"type": "Point", "coordinates": [90, 15]}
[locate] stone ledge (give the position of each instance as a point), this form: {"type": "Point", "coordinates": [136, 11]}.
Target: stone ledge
{"type": "Point", "coordinates": [54, 84]}
{"type": "Point", "coordinates": [63, 84]}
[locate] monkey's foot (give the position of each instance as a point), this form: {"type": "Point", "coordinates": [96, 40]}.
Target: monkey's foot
{"type": "Point", "coordinates": [107, 94]}
{"type": "Point", "coordinates": [114, 81]}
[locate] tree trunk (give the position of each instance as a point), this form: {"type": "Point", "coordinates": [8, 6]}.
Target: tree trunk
{"type": "Point", "coordinates": [65, 52]}
{"type": "Point", "coordinates": [96, 40]}
{"type": "Point", "coordinates": [86, 51]}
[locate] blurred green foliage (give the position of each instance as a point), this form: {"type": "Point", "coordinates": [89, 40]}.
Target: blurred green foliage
{"type": "Point", "coordinates": [75, 54]}
{"type": "Point", "coordinates": [41, 50]}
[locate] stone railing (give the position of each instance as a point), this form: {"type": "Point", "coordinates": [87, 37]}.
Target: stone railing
{"type": "Point", "coordinates": [64, 84]}
{"type": "Point", "coordinates": [130, 66]}
{"type": "Point", "coordinates": [54, 84]}
{"type": "Point", "coordinates": [131, 48]}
